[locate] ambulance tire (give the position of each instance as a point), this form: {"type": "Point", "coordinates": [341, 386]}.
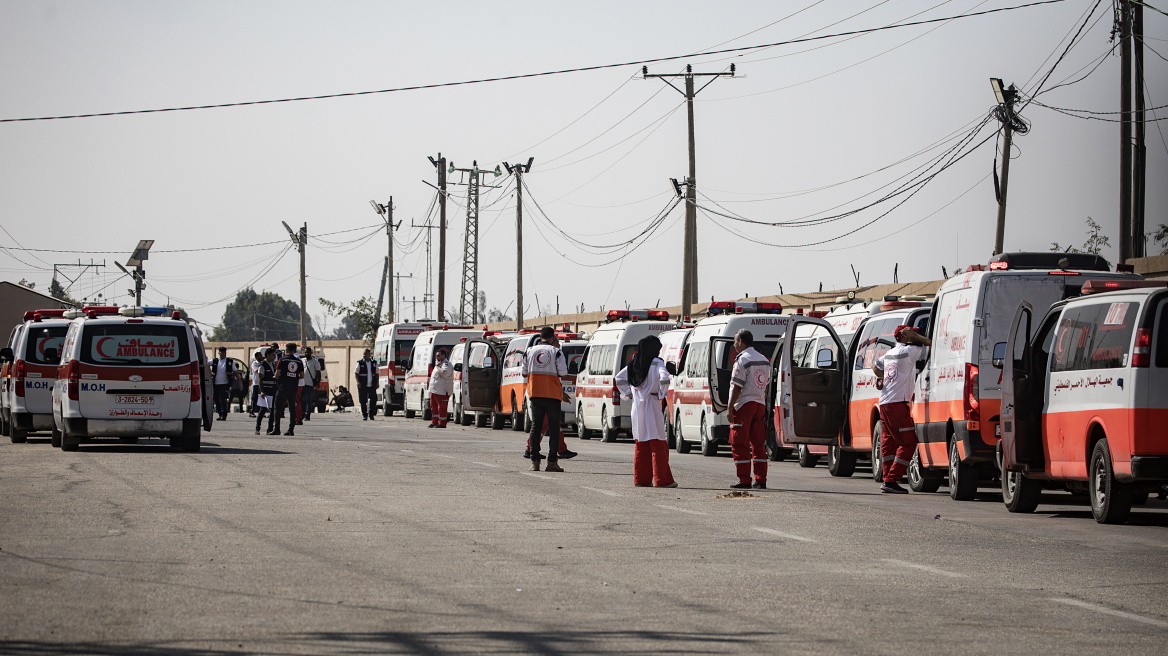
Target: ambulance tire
{"type": "Point", "coordinates": [409, 414]}
{"type": "Point", "coordinates": [806, 458]}
{"type": "Point", "coordinates": [841, 463]}
{"type": "Point", "coordinates": [426, 414]}
{"type": "Point", "coordinates": [517, 416]}
{"type": "Point", "coordinates": [776, 453]}
{"type": "Point", "coordinates": [481, 419]}
{"type": "Point", "coordinates": [709, 446]}
{"type": "Point", "coordinates": [55, 437]}
{"type": "Point", "coordinates": [584, 432]}
{"type": "Point", "coordinates": [877, 468]}
{"type": "Point", "coordinates": [386, 409]}
{"type": "Point", "coordinates": [498, 420]}
{"type": "Point", "coordinates": [1020, 494]}
{"type": "Point", "coordinates": [3, 423]}
{"type": "Point", "coordinates": [607, 434]}
{"type": "Point", "coordinates": [670, 436]}
{"type": "Point", "coordinates": [962, 477]}
{"type": "Point", "coordinates": [527, 420]}
{"type": "Point", "coordinates": [17, 435]}
{"type": "Point", "coordinates": [68, 442]}
{"type": "Point", "coordinates": [918, 479]}
{"type": "Point", "coordinates": [1111, 501]}
{"type": "Point", "coordinates": [683, 447]}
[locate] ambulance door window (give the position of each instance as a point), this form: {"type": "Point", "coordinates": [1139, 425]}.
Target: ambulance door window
{"type": "Point", "coordinates": [627, 356]}
{"type": "Point", "coordinates": [696, 361]}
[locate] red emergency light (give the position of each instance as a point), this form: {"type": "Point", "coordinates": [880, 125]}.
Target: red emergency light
{"type": "Point", "coordinates": [567, 336]}
{"type": "Point", "coordinates": [892, 305]}
{"type": "Point", "coordinates": [94, 310]}
{"type": "Point", "coordinates": [975, 267]}
{"type": "Point", "coordinates": [37, 315]}
{"type": "Point", "coordinates": [720, 307]}
{"type": "Point", "coordinates": [1063, 273]}
{"type": "Point", "coordinates": [1099, 286]}
{"type": "Point", "coordinates": [817, 314]}
{"type": "Point", "coordinates": [658, 315]}
{"type": "Point", "coordinates": [616, 315]}
{"type": "Point", "coordinates": [999, 266]}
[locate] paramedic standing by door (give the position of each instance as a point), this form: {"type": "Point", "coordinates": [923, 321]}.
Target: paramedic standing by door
{"type": "Point", "coordinates": [367, 385]}
{"type": "Point", "coordinates": [441, 385]}
{"type": "Point", "coordinates": [746, 411]}
{"type": "Point", "coordinates": [895, 371]}
{"type": "Point", "coordinates": [543, 364]}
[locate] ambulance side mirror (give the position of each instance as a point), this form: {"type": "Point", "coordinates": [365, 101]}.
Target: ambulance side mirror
{"type": "Point", "coordinates": [824, 359]}
{"type": "Point", "coordinates": [488, 362]}
{"type": "Point", "coordinates": [52, 356]}
{"type": "Point", "coordinates": [5, 354]}
{"type": "Point", "coordinates": [458, 367]}
{"type": "Point", "coordinates": [999, 355]}
{"type": "Point", "coordinates": [573, 367]}
{"type": "Point", "coordinates": [671, 368]}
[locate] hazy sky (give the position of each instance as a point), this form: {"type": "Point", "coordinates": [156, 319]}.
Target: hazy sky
{"type": "Point", "coordinates": [811, 130]}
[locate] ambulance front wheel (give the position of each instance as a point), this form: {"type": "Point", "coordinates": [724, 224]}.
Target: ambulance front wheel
{"type": "Point", "coordinates": [481, 419]}
{"type": "Point", "coordinates": [683, 447]}
{"type": "Point", "coordinates": [1111, 501]}
{"type": "Point", "coordinates": [607, 434]}
{"type": "Point", "coordinates": [806, 458]}
{"type": "Point", "coordinates": [877, 469]}
{"type": "Point", "coordinates": [709, 446]}
{"type": "Point", "coordinates": [1020, 494]}
{"type": "Point", "coordinates": [584, 431]}
{"type": "Point", "coordinates": [962, 477]}
{"type": "Point", "coordinates": [841, 463]}
{"type": "Point", "coordinates": [517, 418]}
{"type": "Point", "coordinates": [918, 481]}
{"type": "Point", "coordinates": [497, 420]}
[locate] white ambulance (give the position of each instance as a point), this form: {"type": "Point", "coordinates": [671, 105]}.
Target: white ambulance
{"type": "Point", "coordinates": [1085, 402]}
{"type": "Point", "coordinates": [673, 347]}
{"type": "Point", "coordinates": [598, 404]}
{"type": "Point", "coordinates": [478, 363]}
{"type": "Point", "coordinates": [391, 351]}
{"type": "Point", "coordinates": [513, 386]}
{"type": "Point", "coordinates": [31, 359]}
{"type": "Point", "coordinates": [701, 388]}
{"type": "Point", "coordinates": [417, 384]}
{"type": "Point", "coordinates": [131, 372]}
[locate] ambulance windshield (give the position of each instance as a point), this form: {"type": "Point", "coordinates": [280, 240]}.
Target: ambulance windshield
{"type": "Point", "coordinates": [135, 344]}
{"type": "Point", "coordinates": [40, 339]}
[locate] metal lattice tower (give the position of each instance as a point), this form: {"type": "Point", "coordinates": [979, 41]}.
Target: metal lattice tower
{"type": "Point", "coordinates": [469, 296]}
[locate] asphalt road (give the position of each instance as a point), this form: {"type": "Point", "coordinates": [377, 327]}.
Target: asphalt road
{"type": "Point", "coordinates": [383, 537]}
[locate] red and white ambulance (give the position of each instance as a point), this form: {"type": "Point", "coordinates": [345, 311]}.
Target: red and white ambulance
{"type": "Point", "coordinates": [673, 347]}
{"type": "Point", "coordinates": [702, 386]}
{"type": "Point", "coordinates": [391, 350]}
{"type": "Point", "coordinates": [416, 391]}
{"type": "Point", "coordinates": [513, 386]}
{"type": "Point", "coordinates": [598, 404]}
{"type": "Point", "coordinates": [33, 352]}
{"type": "Point", "coordinates": [128, 373]}
{"type": "Point", "coordinates": [1085, 401]}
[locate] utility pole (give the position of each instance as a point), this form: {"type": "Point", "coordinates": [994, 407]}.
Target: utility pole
{"type": "Point", "coordinates": [689, 269]}
{"type": "Point", "coordinates": [440, 164]}
{"type": "Point", "coordinates": [397, 295]}
{"type": "Point", "coordinates": [386, 213]}
{"type": "Point", "coordinates": [141, 254]}
{"type": "Point", "coordinates": [299, 239]}
{"type": "Point", "coordinates": [1005, 113]}
{"type": "Point", "coordinates": [469, 292]}
{"type": "Point", "coordinates": [519, 170]}
{"type": "Point", "coordinates": [428, 295]}
{"type": "Point", "coordinates": [1125, 132]}
{"type": "Point", "coordinates": [1139, 175]}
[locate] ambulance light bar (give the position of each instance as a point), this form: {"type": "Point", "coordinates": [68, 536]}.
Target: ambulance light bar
{"type": "Point", "coordinates": [131, 311]}
{"type": "Point", "coordinates": [893, 305]}
{"type": "Point", "coordinates": [637, 315]}
{"type": "Point", "coordinates": [817, 314]}
{"type": "Point", "coordinates": [1100, 286]}
{"type": "Point", "coordinates": [999, 266]}
{"type": "Point", "coordinates": [37, 315]}
{"type": "Point", "coordinates": [616, 315]}
{"type": "Point", "coordinates": [758, 308]}
{"type": "Point", "coordinates": [92, 311]}
{"type": "Point", "coordinates": [658, 315]}
{"type": "Point", "coordinates": [73, 314]}
{"type": "Point", "coordinates": [1063, 273]}
{"type": "Point", "coordinates": [567, 336]}
{"type": "Point", "coordinates": [720, 307]}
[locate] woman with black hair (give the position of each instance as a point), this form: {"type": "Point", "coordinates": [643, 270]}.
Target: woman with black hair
{"type": "Point", "coordinates": [646, 382]}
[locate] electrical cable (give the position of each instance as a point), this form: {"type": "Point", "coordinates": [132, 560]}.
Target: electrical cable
{"type": "Point", "coordinates": [186, 250]}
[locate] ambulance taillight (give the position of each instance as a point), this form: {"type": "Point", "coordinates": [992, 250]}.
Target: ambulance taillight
{"type": "Point", "coordinates": [73, 375]}
{"type": "Point", "coordinates": [615, 393]}
{"type": "Point", "coordinates": [1141, 354]}
{"type": "Point", "coordinates": [18, 373]}
{"type": "Point", "coordinates": [972, 396]}
{"type": "Point", "coordinates": [196, 382]}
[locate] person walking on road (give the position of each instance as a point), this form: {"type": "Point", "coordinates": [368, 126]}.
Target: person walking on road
{"type": "Point", "coordinates": [895, 371]}
{"type": "Point", "coordinates": [646, 382]}
{"type": "Point", "coordinates": [255, 388]}
{"type": "Point", "coordinates": [289, 373]}
{"type": "Point", "coordinates": [312, 370]}
{"type": "Point", "coordinates": [367, 373]}
{"type": "Point", "coordinates": [543, 364]}
{"type": "Point", "coordinates": [223, 374]}
{"type": "Point", "coordinates": [264, 379]}
{"type": "Point", "coordinates": [441, 385]}
{"type": "Point", "coordinates": [746, 411]}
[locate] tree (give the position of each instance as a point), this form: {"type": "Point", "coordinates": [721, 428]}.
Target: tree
{"type": "Point", "coordinates": [1161, 238]}
{"type": "Point", "coordinates": [264, 317]}
{"type": "Point", "coordinates": [56, 290]}
{"type": "Point", "coordinates": [1094, 244]}
{"type": "Point", "coordinates": [359, 319]}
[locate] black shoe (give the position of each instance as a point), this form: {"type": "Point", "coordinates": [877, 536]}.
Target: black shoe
{"type": "Point", "coordinates": [893, 488]}
{"type": "Point", "coordinates": [740, 486]}
{"type": "Point", "coordinates": [307, 417]}
{"type": "Point", "coordinates": [289, 433]}
{"type": "Point", "coordinates": [364, 418]}
{"type": "Point", "coordinates": [527, 454]}
{"type": "Point", "coordinates": [273, 432]}
{"type": "Point", "coordinates": [565, 455]}
{"type": "Point", "coordinates": [759, 485]}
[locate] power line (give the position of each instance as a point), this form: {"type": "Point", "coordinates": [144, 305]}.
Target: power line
{"type": "Point", "coordinates": [503, 78]}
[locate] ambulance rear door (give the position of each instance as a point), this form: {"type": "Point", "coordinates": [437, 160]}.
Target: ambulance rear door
{"type": "Point", "coordinates": [481, 371]}
{"type": "Point", "coordinates": [811, 398]}
{"type": "Point", "coordinates": [719, 370]}
{"type": "Point", "coordinates": [1021, 416]}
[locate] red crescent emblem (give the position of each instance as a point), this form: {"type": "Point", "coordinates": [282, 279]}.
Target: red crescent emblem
{"type": "Point", "coordinates": [760, 379]}
{"type": "Point", "coordinates": [541, 358]}
{"type": "Point", "coordinates": [98, 347]}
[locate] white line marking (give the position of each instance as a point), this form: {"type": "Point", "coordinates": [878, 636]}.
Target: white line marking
{"type": "Point", "coordinates": [485, 464]}
{"type": "Point", "coordinates": [924, 568]}
{"type": "Point", "coordinates": [406, 451]}
{"type": "Point", "coordinates": [439, 455]}
{"type": "Point", "coordinates": [1111, 611]}
{"type": "Point", "coordinates": [780, 534]}
{"type": "Point", "coordinates": [684, 510]}
{"type": "Point", "coordinates": [546, 478]}
{"type": "Point", "coordinates": [596, 489]}
{"type": "Point", "coordinates": [375, 446]}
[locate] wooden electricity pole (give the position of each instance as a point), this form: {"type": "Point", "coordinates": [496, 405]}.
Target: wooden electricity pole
{"type": "Point", "coordinates": [519, 170]}
{"type": "Point", "coordinates": [440, 164]}
{"type": "Point", "coordinates": [299, 239]}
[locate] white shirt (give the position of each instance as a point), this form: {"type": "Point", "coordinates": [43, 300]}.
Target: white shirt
{"type": "Point", "coordinates": [751, 374]}
{"type": "Point", "coordinates": [648, 423]}
{"type": "Point", "coordinates": [221, 372]}
{"type": "Point", "coordinates": [899, 364]}
{"type": "Point", "coordinates": [442, 378]}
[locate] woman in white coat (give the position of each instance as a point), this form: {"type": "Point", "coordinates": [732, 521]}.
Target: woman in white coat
{"type": "Point", "coordinates": [646, 382]}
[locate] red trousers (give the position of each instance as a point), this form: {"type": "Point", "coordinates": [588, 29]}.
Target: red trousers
{"type": "Point", "coordinates": [900, 440]}
{"type": "Point", "coordinates": [439, 409]}
{"type": "Point", "coordinates": [748, 442]}
{"type": "Point", "coordinates": [651, 463]}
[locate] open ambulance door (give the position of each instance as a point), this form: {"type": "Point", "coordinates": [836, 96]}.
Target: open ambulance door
{"type": "Point", "coordinates": [811, 398]}
{"type": "Point", "coordinates": [720, 366]}
{"type": "Point", "coordinates": [206, 385]}
{"type": "Point", "coordinates": [481, 371]}
{"type": "Point", "coordinates": [1021, 402]}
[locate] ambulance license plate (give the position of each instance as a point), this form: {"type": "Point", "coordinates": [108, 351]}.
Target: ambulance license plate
{"type": "Point", "coordinates": [134, 399]}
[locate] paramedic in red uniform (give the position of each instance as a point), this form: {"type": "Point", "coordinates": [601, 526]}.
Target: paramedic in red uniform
{"type": "Point", "coordinates": [895, 371]}
{"type": "Point", "coordinates": [543, 364]}
{"type": "Point", "coordinates": [746, 411]}
{"type": "Point", "coordinates": [441, 385]}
